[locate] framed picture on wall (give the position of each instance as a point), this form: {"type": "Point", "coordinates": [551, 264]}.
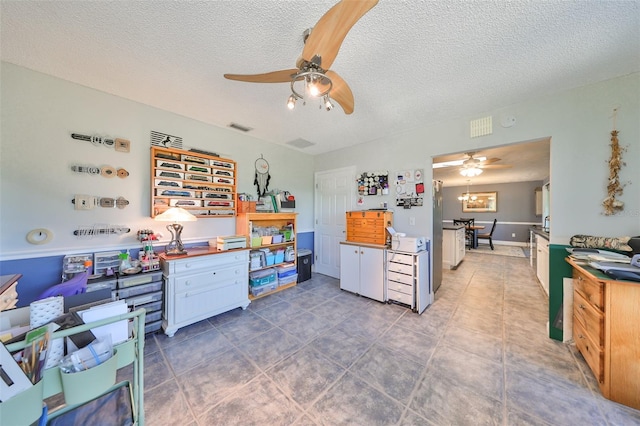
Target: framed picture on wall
{"type": "Point", "coordinates": [480, 202]}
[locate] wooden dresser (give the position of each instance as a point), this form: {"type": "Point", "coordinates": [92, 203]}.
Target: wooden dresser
{"type": "Point", "coordinates": [368, 226]}
{"type": "Point", "coordinates": [606, 331]}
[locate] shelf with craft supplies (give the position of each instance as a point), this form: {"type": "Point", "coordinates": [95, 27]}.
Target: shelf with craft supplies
{"type": "Point", "coordinates": [78, 389]}
{"type": "Point", "coordinates": [261, 229]}
{"type": "Point", "coordinates": [205, 185]}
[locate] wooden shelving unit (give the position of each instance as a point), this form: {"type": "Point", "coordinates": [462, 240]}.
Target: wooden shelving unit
{"type": "Point", "coordinates": [246, 222]}
{"type": "Point", "coordinates": [203, 184]}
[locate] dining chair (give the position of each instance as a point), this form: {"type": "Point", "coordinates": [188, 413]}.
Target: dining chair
{"type": "Point", "coordinates": [489, 235]}
{"type": "Point", "coordinates": [468, 222]}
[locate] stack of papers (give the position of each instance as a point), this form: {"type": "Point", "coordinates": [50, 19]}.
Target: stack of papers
{"type": "Point", "coordinates": [119, 331]}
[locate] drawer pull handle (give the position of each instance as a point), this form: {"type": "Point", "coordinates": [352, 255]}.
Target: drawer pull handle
{"type": "Point", "coordinates": [580, 278]}
{"type": "Point", "coordinates": [580, 336]}
{"type": "Point", "coordinates": [581, 306]}
{"type": "Point", "coordinates": [187, 282]}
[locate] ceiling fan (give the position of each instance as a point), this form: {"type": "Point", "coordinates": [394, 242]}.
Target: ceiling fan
{"type": "Point", "coordinates": [472, 165]}
{"type": "Point", "coordinates": [312, 77]}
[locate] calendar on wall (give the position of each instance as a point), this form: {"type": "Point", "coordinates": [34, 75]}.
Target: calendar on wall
{"type": "Point", "coordinates": [409, 188]}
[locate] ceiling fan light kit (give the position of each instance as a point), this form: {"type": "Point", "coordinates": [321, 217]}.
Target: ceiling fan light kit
{"type": "Point", "coordinates": [470, 171]}
{"type": "Point", "coordinates": [312, 76]}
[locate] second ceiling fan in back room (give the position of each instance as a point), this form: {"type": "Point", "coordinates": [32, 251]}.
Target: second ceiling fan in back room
{"type": "Point", "coordinates": [312, 77]}
{"type": "Point", "coordinates": [472, 166]}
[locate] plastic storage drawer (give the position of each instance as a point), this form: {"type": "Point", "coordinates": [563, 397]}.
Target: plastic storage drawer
{"type": "Point", "coordinates": [143, 299]}
{"type": "Point", "coordinates": [124, 293]}
{"type": "Point", "coordinates": [153, 317]}
{"type": "Point", "coordinates": [151, 307]}
{"type": "Point", "coordinates": [139, 279]}
{"type": "Point", "coordinates": [152, 326]}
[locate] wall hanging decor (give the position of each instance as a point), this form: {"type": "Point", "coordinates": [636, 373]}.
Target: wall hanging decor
{"type": "Point", "coordinates": [119, 144]}
{"type": "Point", "coordinates": [100, 229]}
{"type": "Point", "coordinates": [166, 141]}
{"type": "Point", "coordinates": [88, 202]}
{"type": "Point", "coordinates": [611, 204]}
{"type": "Point", "coordinates": [106, 171]}
{"type": "Point", "coordinates": [409, 188]}
{"type": "Point", "coordinates": [262, 176]}
{"type": "Point", "coordinates": [373, 183]}
{"type": "Point", "coordinates": [479, 202]}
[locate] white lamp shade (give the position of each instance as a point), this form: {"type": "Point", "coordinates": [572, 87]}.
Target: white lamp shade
{"type": "Point", "coordinates": [176, 214]}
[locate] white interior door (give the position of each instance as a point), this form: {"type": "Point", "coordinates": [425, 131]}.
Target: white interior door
{"type": "Point", "coordinates": [334, 195]}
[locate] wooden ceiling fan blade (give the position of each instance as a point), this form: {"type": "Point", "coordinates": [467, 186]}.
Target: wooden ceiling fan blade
{"type": "Point", "coordinates": [282, 76]}
{"type": "Point", "coordinates": [490, 161]}
{"type": "Point", "coordinates": [496, 166]}
{"type": "Point", "coordinates": [329, 33]}
{"type": "Point", "coordinates": [341, 93]}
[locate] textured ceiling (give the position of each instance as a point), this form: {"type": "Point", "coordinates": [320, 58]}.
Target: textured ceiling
{"type": "Point", "coordinates": [408, 63]}
{"type": "Point", "coordinates": [528, 161]}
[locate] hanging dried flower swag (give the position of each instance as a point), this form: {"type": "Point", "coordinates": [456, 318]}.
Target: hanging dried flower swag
{"type": "Point", "coordinates": [614, 187]}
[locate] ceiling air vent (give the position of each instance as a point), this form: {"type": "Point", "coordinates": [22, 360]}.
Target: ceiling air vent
{"type": "Point", "coordinates": [240, 127]}
{"type": "Point", "coordinates": [481, 127]}
{"type": "Point", "coordinates": [300, 143]}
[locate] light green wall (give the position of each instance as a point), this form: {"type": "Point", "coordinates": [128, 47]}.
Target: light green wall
{"type": "Point", "coordinates": [39, 112]}
{"type": "Point", "coordinates": [579, 123]}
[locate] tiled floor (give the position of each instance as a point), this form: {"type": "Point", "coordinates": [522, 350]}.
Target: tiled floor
{"type": "Point", "coordinates": [316, 355]}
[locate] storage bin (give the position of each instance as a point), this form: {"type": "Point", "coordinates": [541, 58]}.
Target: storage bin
{"type": "Point", "coordinates": [288, 279]}
{"type": "Point", "coordinates": [24, 408]}
{"type": "Point", "coordinates": [256, 241]}
{"type": "Point", "coordinates": [266, 239]}
{"type": "Point", "coordinates": [277, 239]}
{"type": "Point", "coordinates": [88, 384]}
{"type": "Point", "coordinates": [279, 256]}
{"type": "Point", "coordinates": [287, 235]}
{"type": "Point", "coordinates": [270, 259]}
{"type": "Point", "coordinates": [263, 289]}
{"type": "Point", "coordinates": [265, 276]}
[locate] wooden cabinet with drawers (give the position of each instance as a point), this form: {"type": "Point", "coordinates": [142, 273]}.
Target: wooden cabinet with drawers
{"type": "Point", "coordinates": [368, 226]}
{"type": "Point", "coordinates": [606, 331]}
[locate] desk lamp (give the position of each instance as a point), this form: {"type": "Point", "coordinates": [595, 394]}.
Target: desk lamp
{"type": "Point", "coordinates": [175, 215]}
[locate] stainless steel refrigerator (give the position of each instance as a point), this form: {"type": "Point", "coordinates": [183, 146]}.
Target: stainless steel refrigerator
{"type": "Point", "coordinates": [436, 247]}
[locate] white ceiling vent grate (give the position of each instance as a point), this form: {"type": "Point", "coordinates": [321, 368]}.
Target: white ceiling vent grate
{"type": "Point", "coordinates": [300, 143]}
{"type": "Point", "coordinates": [481, 127]}
{"type": "Point", "coordinates": [240, 127]}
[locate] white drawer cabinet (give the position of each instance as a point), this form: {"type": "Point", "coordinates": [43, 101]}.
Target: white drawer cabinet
{"type": "Point", "coordinates": [202, 284]}
{"type": "Point", "coordinates": [408, 280]}
{"type": "Point", "coordinates": [453, 247]}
